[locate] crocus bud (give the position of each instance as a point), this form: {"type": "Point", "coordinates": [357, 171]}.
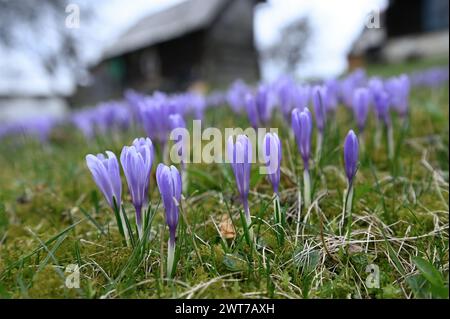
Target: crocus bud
{"type": "Point", "coordinates": [272, 157]}
{"type": "Point", "coordinates": [361, 100]}
{"type": "Point", "coordinates": [169, 184]}
{"type": "Point", "coordinates": [302, 127]}
{"type": "Point", "coordinates": [137, 162]}
{"type": "Point", "coordinates": [106, 174]}
{"type": "Point", "coordinates": [319, 95]}
{"type": "Point", "coordinates": [351, 153]}
{"type": "Point", "coordinates": [240, 157]}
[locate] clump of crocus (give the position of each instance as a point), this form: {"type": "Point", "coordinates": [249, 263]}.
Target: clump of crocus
{"type": "Point", "coordinates": [272, 158]}
{"type": "Point", "coordinates": [302, 127]}
{"type": "Point", "coordinates": [169, 184]}
{"type": "Point", "coordinates": [319, 96]}
{"type": "Point", "coordinates": [240, 157]}
{"type": "Point", "coordinates": [137, 162]}
{"type": "Point", "coordinates": [106, 174]}
{"type": "Point", "coordinates": [351, 155]}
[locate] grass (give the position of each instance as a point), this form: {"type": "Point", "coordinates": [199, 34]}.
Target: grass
{"type": "Point", "coordinates": [52, 215]}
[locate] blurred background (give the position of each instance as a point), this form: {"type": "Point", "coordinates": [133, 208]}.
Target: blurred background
{"type": "Point", "coordinates": [56, 55]}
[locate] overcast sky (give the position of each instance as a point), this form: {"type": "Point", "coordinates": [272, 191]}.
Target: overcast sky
{"type": "Point", "coordinates": [335, 26]}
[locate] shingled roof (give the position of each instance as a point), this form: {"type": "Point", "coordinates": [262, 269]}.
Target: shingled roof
{"type": "Point", "coordinates": [177, 20]}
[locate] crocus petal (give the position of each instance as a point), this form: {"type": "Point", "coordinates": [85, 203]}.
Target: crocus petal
{"type": "Point", "coordinates": [351, 154]}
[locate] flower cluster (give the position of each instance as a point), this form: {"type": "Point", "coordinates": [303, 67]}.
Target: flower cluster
{"type": "Point", "coordinates": [137, 160]}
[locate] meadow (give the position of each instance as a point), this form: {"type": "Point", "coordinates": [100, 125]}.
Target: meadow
{"type": "Point", "coordinates": [52, 215]}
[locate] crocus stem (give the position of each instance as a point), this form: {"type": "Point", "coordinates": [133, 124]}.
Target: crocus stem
{"type": "Point", "coordinates": [165, 151]}
{"type": "Point", "coordinates": [248, 220]}
{"type": "Point", "coordinates": [139, 221]}
{"type": "Point", "coordinates": [125, 229]}
{"type": "Point", "coordinates": [319, 146]}
{"type": "Point", "coordinates": [122, 227]}
{"type": "Point", "coordinates": [390, 137]}
{"type": "Point", "coordinates": [297, 228]}
{"type": "Point", "coordinates": [361, 141]}
{"type": "Point", "coordinates": [347, 208]}
{"type": "Point", "coordinates": [170, 256]}
{"type": "Point", "coordinates": [378, 134]}
{"type": "Point", "coordinates": [307, 188]}
{"type": "Point", "coordinates": [277, 209]}
{"type": "Point", "coordinates": [184, 177]}
{"type": "Point", "coordinates": [279, 221]}
{"type": "Point", "coordinates": [291, 134]}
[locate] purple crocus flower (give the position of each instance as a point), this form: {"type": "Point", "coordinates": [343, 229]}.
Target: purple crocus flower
{"type": "Point", "coordinates": [293, 96]}
{"type": "Point", "coordinates": [354, 80]}
{"type": "Point", "coordinates": [236, 95]}
{"type": "Point", "coordinates": [106, 174]}
{"type": "Point", "coordinates": [218, 98]}
{"type": "Point", "coordinates": [361, 100]}
{"type": "Point", "coordinates": [83, 121]}
{"type": "Point", "coordinates": [380, 100]}
{"type": "Point", "coordinates": [155, 118]}
{"type": "Point", "coordinates": [134, 100]}
{"type": "Point", "coordinates": [351, 153]}
{"type": "Point", "coordinates": [258, 106]}
{"type": "Point", "coordinates": [38, 127]}
{"type": "Point", "coordinates": [284, 91]}
{"type": "Point", "coordinates": [177, 122]}
{"type": "Point", "coordinates": [319, 96]}
{"type": "Point", "coordinates": [240, 157]}
{"type": "Point", "coordinates": [302, 127]}
{"type": "Point", "coordinates": [432, 77]}
{"type": "Point", "coordinates": [272, 157]}
{"type": "Point", "coordinates": [170, 185]}
{"type": "Point", "coordinates": [137, 162]}
{"type": "Point", "coordinates": [252, 111]}
{"type": "Point", "coordinates": [332, 89]}
{"type": "Point", "coordinates": [196, 104]}
{"type": "Point", "coordinates": [301, 95]}
{"type": "Point", "coordinates": [399, 90]}
{"type": "Point", "coordinates": [382, 106]}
